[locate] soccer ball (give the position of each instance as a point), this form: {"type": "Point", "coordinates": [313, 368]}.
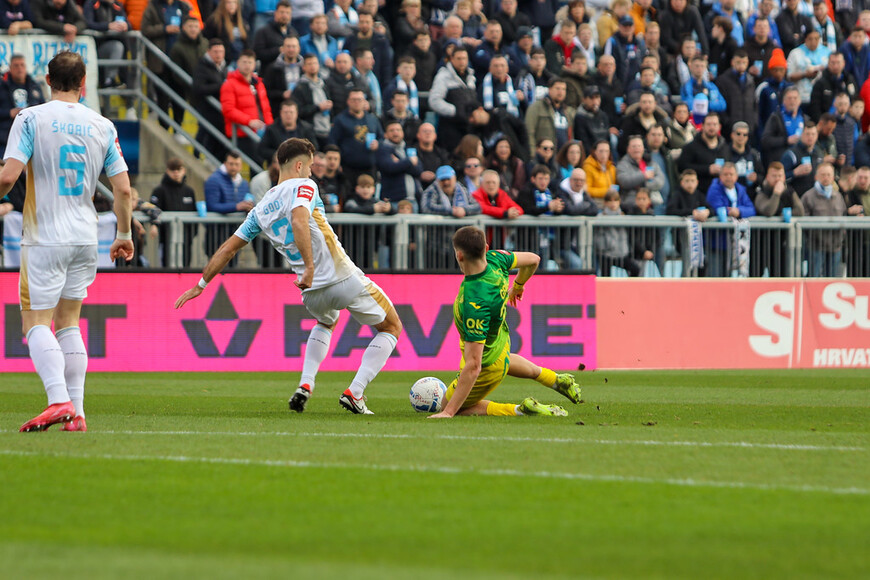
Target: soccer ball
{"type": "Point", "coordinates": [427, 395]}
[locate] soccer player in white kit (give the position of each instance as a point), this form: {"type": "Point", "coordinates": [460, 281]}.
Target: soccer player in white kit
{"type": "Point", "coordinates": [64, 146]}
{"type": "Point", "coordinates": [293, 218]}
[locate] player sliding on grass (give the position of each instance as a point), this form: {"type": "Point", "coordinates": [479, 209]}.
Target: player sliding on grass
{"type": "Point", "coordinates": [292, 216]}
{"type": "Point", "coordinates": [479, 315]}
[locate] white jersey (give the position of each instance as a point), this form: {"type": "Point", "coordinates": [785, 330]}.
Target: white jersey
{"type": "Point", "coordinates": [272, 217]}
{"type": "Point", "coordinates": [65, 147]}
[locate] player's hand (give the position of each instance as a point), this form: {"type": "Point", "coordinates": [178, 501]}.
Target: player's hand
{"type": "Point", "coordinates": [515, 294]}
{"type": "Point", "coordinates": [189, 295]}
{"type": "Point", "coordinates": [306, 279]}
{"type": "Point", "coordinates": [121, 248]}
{"type": "Point", "coordinates": [441, 415]}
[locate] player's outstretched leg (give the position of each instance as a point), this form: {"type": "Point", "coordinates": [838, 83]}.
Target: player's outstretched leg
{"type": "Point", "coordinates": [530, 406]}
{"type": "Point", "coordinates": [315, 352]}
{"type": "Point", "coordinates": [564, 383]}
{"type": "Point", "coordinates": [373, 360]}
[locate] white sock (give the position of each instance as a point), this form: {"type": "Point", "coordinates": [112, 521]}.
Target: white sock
{"type": "Point", "coordinates": [373, 360]}
{"type": "Point", "coordinates": [315, 351]}
{"type": "Point", "coordinates": [76, 365]}
{"type": "Point", "coordinates": [48, 360]}
{"type": "Point", "coordinates": [517, 411]}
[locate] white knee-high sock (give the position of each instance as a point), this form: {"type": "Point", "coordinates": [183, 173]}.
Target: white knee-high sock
{"type": "Point", "coordinates": [315, 352]}
{"type": "Point", "coordinates": [75, 365]}
{"type": "Point", "coordinates": [48, 360]}
{"type": "Point", "coordinates": [373, 360]}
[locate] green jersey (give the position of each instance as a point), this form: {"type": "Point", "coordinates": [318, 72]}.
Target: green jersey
{"type": "Point", "coordinates": [479, 309]}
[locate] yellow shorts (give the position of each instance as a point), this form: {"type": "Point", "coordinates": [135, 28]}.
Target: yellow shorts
{"type": "Point", "coordinates": [489, 378]}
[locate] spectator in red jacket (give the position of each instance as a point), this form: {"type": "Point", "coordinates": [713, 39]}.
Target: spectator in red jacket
{"type": "Point", "coordinates": [493, 200]}
{"type": "Point", "coordinates": [244, 101]}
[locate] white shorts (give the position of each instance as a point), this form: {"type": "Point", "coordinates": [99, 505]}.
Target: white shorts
{"type": "Point", "coordinates": [49, 273]}
{"type": "Point", "coordinates": [365, 301]}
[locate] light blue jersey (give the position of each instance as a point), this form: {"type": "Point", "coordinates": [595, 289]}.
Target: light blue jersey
{"type": "Point", "coordinates": [272, 217]}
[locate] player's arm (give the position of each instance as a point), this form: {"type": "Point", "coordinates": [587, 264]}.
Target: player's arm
{"type": "Point", "coordinates": [527, 262]}
{"type": "Point", "coordinates": [9, 175]}
{"type": "Point", "coordinates": [218, 262]}
{"type": "Point", "coordinates": [299, 217]}
{"type": "Point", "coordinates": [467, 377]}
{"type": "Point", "coordinates": [123, 207]}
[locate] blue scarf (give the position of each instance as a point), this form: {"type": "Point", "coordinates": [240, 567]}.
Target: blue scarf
{"type": "Point", "coordinates": [696, 245]}
{"type": "Point", "coordinates": [826, 191]}
{"type": "Point", "coordinates": [512, 104]}
{"type": "Point", "coordinates": [793, 125]}
{"type": "Point", "coordinates": [413, 97]}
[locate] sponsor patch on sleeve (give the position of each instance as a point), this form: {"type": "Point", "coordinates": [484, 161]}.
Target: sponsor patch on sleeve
{"type": "Point", "coordinates": [305, 192]}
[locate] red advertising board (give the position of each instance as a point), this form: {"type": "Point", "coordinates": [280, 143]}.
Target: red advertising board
{"type": "Point", "coordinates": [256, 322]}
{"type": "Point", "coordinates": [697, 324]}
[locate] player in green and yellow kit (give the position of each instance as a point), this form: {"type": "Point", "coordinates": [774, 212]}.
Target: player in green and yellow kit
{"type": "Point", "coordinates": [479, 315]}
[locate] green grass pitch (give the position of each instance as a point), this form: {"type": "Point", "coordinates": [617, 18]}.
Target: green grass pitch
{"type": "Point", "coordinates": [750, 474]}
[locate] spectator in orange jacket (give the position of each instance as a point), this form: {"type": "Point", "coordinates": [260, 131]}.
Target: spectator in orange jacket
{"type": "Point", "coordinates": [244, 101]}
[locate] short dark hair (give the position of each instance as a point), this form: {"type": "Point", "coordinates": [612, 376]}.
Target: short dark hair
{"type": "Point", "coordinates": [215, 42]}
{"type": "Point", "coordinates": [724, 23]}
{"type": "Point", "coordinates": [332, 149]}
{"type": "Point", "coordinates": [539, 169]}
{"type": "Point", "coordinates": [471, 241]}
{"type": "Point", "coordinates": [459, 48]}
{"type": "Point", "coordinates": [740, 53]}
{"type": "Point", "coordinates": [174, 164]}
{"type": "Point", "coordinates": [66, 71]}
{"type": "Point", "coordinates": [284, 4]}
{"type": "Point", "coordinates": [406, 60]}
{"type": "Point", "coordinates": [393, 122]}
{"type": "Point", "coordinates": [690, 173]}
{"type": "Point", "coordinates": [536, 50]}
{"type": "Point", "coordinates": [360, 52]}
{"type": "Point", "coordinates": [364, 12]}
{"type": "Point", "coordinates": [289, 103]}
{"type": "Point", "coordinates": [828, 117]}
{"type": "Point", "coordinates": [187, 19]}
{"type": "Point", "coordinates": [309, 56]}
{"type": "Point", "coordinates": [810, 124]}
{"type": "Point", "coordinates": [248, 53]}
{"type": "Point", "coordinates": [293, 148]}
{"type": "Point", "coordinates": [234, 154]}
{"type": "Point", "coordinates": [556, 80]}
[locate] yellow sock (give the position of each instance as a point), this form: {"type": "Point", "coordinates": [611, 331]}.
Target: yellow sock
{"type": "Point", "coordinates": [501, 409]}
{"type": "Point", "coordinates": [547, 377]}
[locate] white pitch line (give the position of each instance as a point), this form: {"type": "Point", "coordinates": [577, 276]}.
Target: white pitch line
{"type": "Point", "coordinates": [684, 482]}
{"type": "Point", "coordinates": [642, 442]}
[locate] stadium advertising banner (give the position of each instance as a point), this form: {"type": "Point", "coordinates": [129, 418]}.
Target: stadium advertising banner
{"type": "Point", "coordinates": [723, 324]}
{"type": "Point", "coordinates": [39, 49]}
{"type": "Point", "coordinates": [256, 322]}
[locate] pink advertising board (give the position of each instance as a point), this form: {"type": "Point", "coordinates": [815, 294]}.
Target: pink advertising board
{"type": "Point", "coordinates": [256, 322]}
{"type": "Point", "coordinates": [733, 324]}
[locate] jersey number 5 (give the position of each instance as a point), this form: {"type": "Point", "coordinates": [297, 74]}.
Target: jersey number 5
{"type": "Point", "coordinates": [66, 163]}
{"type": "Point", "coordinates": [284, 224]}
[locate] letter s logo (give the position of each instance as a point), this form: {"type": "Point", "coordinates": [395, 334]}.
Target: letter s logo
{"type": "Point", "coordinates": [844, 313]}
{"type": "Point", "coordinates": [774, 312]}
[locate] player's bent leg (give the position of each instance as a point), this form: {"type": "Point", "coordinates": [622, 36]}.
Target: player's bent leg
{"type": "Point", "coordinates": [562, 383]}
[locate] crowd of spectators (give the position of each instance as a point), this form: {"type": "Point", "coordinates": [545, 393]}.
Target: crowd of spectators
{"type": "Point", "coordinates": [572, 106]}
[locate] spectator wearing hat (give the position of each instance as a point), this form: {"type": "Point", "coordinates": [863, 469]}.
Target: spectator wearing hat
{"type": "Point", "coordinates": [784, 127]}
{"type": "Point", "coordinates": [627, 49]}
{"type": "Point", "coordinates": [591, 124]}
{"type": "Point", "coordinates": [760, 48]}
{"type": "Point", "coordinates": [512, 21]}
{"type": "Point", "coordinates": [857, 54]}
{"type": "Point", "coordinates": [446, 196]}
{"type": "Point", "coordinates": [769, 91]}
{"type": "Point", "coordinates": [521, 50]}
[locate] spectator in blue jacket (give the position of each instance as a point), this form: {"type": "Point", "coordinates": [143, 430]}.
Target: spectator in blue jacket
{"type": "Point", "coordinates": [319, 43]}
{"type": "Point", "coordinates": [399, 166]}
{"type": "Point", "coordinates": [627, 49]}
{"type": "Point", "coordinates": [698, 84]}
{"type": "Point", "coordinates": [493, 44]}
{"type": "Point", "coordinates": [726, 192]}
{"type": "Point", "coordinates": [356, 132]}
{"type": "Point", "coordinates": [226, 191]}
{"type": "Point", "coordinates": [857, 54]}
